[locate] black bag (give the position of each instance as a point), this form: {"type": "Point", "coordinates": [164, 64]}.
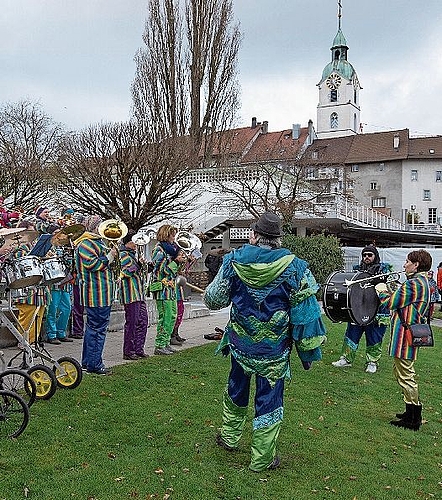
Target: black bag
{"type": "Point", "coordinates": [422, 335]}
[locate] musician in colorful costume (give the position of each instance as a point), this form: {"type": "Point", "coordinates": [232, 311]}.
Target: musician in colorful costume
{"type": "Point", "coordinates": [274, 308]}
{"type": "Point", "coordinates": [93, 261]}
{"type": "Point", "coordinates": [374, 331]}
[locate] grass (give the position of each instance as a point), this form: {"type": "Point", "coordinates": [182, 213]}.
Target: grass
{"type": "Point", "coordinates": [148, 432]}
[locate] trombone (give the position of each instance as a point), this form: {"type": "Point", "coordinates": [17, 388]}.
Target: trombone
{"type": "Point", "coordinates": [390, 277]}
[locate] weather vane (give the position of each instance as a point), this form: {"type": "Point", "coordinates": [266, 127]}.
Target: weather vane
{"type": "Point", "coordinates": [339, 13]}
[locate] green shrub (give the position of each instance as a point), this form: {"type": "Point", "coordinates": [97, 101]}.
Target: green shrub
{"type": "Point", "coordinates": [323, 253]}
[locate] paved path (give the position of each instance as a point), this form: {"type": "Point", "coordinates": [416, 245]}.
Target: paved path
{"type": "Point", "coordinates": [192, 329]}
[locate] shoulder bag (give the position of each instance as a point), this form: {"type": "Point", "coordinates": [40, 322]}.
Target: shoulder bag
{"type": "Point", "coordinates": [421, 333]}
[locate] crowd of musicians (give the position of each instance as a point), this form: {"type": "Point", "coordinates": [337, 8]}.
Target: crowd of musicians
{"type": "Point", "coordinates": [99, 270]}
{"type": "Point", "coordinates": [274, 312]}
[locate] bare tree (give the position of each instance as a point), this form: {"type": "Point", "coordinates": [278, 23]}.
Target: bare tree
{"type": "Point", "coordinates": [111, 170]}
{"type": "Point", "coordinates": [30, 143]}
{"type": "Point", "coordinates": [266, 186]}
{"type": "Point", "coordinates": [185, 80]}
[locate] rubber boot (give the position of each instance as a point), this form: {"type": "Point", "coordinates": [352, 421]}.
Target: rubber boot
{"type": "Point", "coordinates": [407, 413]}
{"type": "Point", "coordinates": [413, 421]}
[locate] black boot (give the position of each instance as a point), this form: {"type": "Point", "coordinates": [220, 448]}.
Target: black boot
{"type": "Point", "coordinates": [174, 338]}
{"type": "Point", "coordinates": [407, 413]}
{"type": "Point", "coordinates": [412, 421]}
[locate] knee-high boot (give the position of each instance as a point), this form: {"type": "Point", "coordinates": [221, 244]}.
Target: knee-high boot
{"type": "Point", "coordinates": [413, 421]}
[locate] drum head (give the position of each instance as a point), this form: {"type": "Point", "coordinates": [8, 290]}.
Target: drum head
{"type": "Point", "coordinates": [336, 303]}
{"type": "Point", "coordinates": [364, 301]}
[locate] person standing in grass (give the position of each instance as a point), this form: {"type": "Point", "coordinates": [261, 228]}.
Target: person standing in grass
{"type": "Point", "coordinates": [409, 304]}
{"type": "Point", "coordinates": [374, 331]}
{"type": "Point", "coordinates": [274, 308]}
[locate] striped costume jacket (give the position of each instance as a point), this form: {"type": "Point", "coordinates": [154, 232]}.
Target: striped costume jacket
{"type": "Point", "coordinates": [94, 273]}
{"type": "Point", "coordinates": [413, 298]}
{"type": "Point", "coordinates": [131, 280]}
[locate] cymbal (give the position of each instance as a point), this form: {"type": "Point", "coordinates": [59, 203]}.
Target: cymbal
{"type": "Point", "coordinates": [17, 238]}
{"type": "Point", "coordinates": [73, 231]}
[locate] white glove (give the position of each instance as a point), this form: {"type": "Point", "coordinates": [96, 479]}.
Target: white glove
{"type": "Point", "coordinates": [381, 288]}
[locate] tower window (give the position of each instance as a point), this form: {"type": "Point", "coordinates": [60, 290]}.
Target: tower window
{"type": "Point", "coordinates": [334, 96]}
{"type": "Point", "coordinates": [373, 186]}
{"type": "Point", "coordinates": [414, 175]}
{"type": "Point", "coordinates": [334, 121]}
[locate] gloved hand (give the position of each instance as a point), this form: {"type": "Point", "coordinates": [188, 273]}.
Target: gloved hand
{"type": "Point", "coordinates": [381, 288]}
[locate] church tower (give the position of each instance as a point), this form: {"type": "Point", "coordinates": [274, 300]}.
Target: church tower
{"type": "Point", "coordinates": [338, 109]}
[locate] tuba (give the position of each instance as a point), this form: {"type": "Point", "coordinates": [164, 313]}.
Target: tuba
{"type": "Point", "coordinates": [190, 243]}
{"type": "Point", "coordinates": [114, 230]}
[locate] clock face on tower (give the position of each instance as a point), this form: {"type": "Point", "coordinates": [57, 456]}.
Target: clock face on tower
{"type": "Point", "coordinates": [333, 81]}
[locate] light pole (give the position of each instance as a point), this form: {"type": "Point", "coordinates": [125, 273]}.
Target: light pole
{"type": "Point", "coordinates": [413, 211]}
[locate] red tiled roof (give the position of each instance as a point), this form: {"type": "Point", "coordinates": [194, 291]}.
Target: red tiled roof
{"type": "Point", "coordinates": [332, 150]}
{"type": "Point", "coordinates": [276, 146]}
{"type": "Point", "coordinates": [236, 141]}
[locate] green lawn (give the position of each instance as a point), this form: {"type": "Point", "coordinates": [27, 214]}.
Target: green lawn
{"type": "Point", "coordinates": [148, 431]}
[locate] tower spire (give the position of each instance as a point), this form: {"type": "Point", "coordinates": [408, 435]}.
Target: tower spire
{"type": "Point", "coordinates": [339, 13]}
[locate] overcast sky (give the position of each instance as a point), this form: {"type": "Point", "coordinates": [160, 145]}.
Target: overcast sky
{"type": "Point", "coordinates": [76, 58]}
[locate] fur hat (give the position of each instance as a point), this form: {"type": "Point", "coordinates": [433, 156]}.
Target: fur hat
{"type": "Point", "coordinates": [269, 225]}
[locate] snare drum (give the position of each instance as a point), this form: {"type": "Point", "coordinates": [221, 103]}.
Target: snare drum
{"type": "Point", "coordinates": [357, 303]}
{"type": "Point", "coordinates": [53, 271]}
{"type": "Point", "coordinates": [23, 272]}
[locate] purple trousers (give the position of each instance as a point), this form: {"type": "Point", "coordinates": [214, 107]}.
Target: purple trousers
{"type": "Point", "coordinates": [135, 328]}
{"type": "Point", "coordinates": [77, 312]}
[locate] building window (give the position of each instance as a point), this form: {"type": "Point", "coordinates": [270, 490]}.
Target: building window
{"type": "Point", "coordinates": [427, 195]}
{"type": "Point", "coordinates": [373, 186]}
{"type": "Point", "coordinates": [310, 173]}
{"type": "Point", "coordinates": [379, 202]}
{"type": "Point", "coordinates": [414, 175]}
{"type": "Point", "coordinates": [438, 175]}
{"type": "Point", "coordinates": [355, 168]}
{"type": "Point", "coordinates": [432, 215]}
{"type": "Point", "coordinates": [314, 155]}
{"type": "Point", "coordinates": [334, 122]}
{"type": "Point", "coordinates": [334, 96]}
{"type": "Point", "coordinates": [381, 167]}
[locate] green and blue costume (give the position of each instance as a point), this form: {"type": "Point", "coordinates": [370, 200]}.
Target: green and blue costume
{"type": "Point", "coordinates": [274, 308]}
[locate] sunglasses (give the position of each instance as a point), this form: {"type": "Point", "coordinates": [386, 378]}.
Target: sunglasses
{"type": "Point", "coordinates": [368, 255]}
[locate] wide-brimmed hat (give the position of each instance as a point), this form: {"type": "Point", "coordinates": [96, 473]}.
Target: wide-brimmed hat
{"type": "Point", "coordinates": [269, 224]}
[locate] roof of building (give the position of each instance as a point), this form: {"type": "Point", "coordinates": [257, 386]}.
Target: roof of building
{"type": "Point", "coordinates": [276, 146]}
{"type": "Point", "coordinates": [379, 146]}
{"type": "Point", "coordinates": [425, 147]}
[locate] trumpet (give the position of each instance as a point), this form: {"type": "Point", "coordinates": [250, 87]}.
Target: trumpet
{"type": "Point", "coordinates": [390, 277]}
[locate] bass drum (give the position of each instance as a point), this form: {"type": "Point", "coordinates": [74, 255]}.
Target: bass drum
{"type": "Point", "coordinates": [357, 303]}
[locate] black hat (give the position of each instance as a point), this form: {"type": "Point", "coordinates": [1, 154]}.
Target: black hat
{"type": "Point", "coordinates": [370, 248]}
{"type": "Point", "coordinates": [269, 224]}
